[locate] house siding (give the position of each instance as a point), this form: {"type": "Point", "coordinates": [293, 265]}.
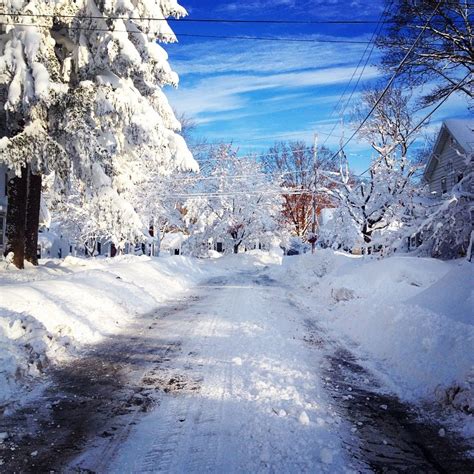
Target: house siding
{"type": "Point", "coordinates": [444, 170]}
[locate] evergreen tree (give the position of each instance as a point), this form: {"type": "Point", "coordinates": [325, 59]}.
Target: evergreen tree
{"type": "Point", "coordinates": [83, 83]}
{"type": "Point", "coordinates": [29, 79]}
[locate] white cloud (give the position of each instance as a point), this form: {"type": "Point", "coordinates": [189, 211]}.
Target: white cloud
{"type": "Point", "coordinates": [312, 8]}
{"type": "Point", "coordinates": [218, 57]}
{"type": "Point", "coordinates": [255, 5]}
{"type": "Point", "coordinates": [229, 92]}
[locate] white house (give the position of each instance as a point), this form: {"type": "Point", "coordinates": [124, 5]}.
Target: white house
{"type": "Point", "coordinates": [451, 160]}
{"type": "Point", "coordinates": [52, 245]}
{"type": "Point", "coordinates": [172, 243]}
{"type": "Point", "coordinates": [452, 156]}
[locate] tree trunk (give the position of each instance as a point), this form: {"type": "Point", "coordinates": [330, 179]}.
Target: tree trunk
{"type": "Point", "coordinates": [33, 204]}
{"type": "Point", "coordinates": [16, 217]}
{"type": "Point", "coordinates": [367, 234]}
{"type": "Point", "coordinates": [236, 248]}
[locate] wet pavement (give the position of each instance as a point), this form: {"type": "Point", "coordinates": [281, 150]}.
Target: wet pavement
{"type": "Point", "coordinates": [384, 434]}
{"type": "Point", "coordinates": [99, 395]}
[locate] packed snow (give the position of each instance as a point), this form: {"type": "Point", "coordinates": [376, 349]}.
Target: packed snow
{"type": "Point", "coordinates": [412, 318]}
{"type": "Point", "coordinates": [243, 343]}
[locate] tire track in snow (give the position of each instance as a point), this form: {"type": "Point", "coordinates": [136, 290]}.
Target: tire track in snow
{"type": "Point", "coordinates": [251, 366]}
{"type": "Point", "coordinates": [92, 402]}
{"type": "Point", "coordinates": [172, 432]}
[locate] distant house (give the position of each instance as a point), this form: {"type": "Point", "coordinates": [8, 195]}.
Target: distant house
{"type": "Point", "coordinates": [52, 245]}
{"type": "Point", "coordinates": [451, 160]}
{"type": "Point", "coordinates": [452, 156]}
{"type": "Point", "coordinates": [172, 243]}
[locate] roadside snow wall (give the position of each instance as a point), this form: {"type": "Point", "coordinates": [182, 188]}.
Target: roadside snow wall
{"type": "Point", "coordinates": [48, 313]}
{"type": "Point", "coordinates": [410, 319]}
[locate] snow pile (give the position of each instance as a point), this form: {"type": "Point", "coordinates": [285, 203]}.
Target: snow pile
{"type": "Point", "coordinates": [412, 317]}
{"type": "Point", "coordinates": [76, 302]}
{"type": "Point", "coordinates": [458, 284]}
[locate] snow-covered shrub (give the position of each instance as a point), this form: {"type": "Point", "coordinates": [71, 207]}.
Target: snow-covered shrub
{"type": "Point", "coordinates": [296, 246]}
{"type": "Point", "coordinates": [446, 229]}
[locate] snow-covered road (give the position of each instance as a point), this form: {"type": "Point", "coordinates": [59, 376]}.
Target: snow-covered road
{"type": "Point", "coordinates": [255, 403]}
{"type": "Point", "coordinates": [234, 376]}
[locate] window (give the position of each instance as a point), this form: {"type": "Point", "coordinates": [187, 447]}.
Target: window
{"type": "Point", "coordinates": [444, 186]}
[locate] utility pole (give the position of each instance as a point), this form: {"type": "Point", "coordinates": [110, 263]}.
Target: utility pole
{"type": "Point", "coordinates": [2, 17]}
{"type": "Point", "coordinates": [314, 223]}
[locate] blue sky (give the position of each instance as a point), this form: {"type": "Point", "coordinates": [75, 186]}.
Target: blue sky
{"type": "Point", "coordinates": [256, 92]}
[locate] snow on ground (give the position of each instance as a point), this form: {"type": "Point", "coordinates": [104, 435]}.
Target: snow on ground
{"type": "Point", "coordinates": [49, 313]}
{"type": "Point", "coordinates": [411, 318]}
{"type": "Point", "coordinates": [261, 404]}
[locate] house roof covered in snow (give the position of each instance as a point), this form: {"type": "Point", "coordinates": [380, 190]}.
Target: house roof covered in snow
{"type": "Point", "coordinates": [172, 240]}
{"type": "Point", "coordinates": [462, 131]}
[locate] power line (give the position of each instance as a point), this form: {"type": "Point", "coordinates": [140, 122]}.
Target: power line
{"type": "Point", "coordinates": [375, 34]}
{"type": "Point", "coordinates": [295, 135]}
{"type": "Point", "coordinates": [283, 192]}
{"type": "Point", "coordinates": [253, 155]}
{"type": "Point", "coordinates": [282, 135]}
{"type": "Point", "coordinates": [421, 122]}
{"type": "Point", "coordinates": [200, 20]}
{"type": "Point", "coordinates": [192, 35]}
{"type": "Point", "coordinates": [242, 176]}
{"type": "Point", "coordinates": [196, 20]}
{"type": "Point", "coordinates": [373, 37]}
{"type": "Point", "coordinates": [274, 38]}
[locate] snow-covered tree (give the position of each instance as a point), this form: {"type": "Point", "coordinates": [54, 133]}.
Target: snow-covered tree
{"type": "Point", "coordinates": [94, 213]}
{"type": "Point", "coordinates": [237, 204]}
{"type": "Point", "coordinates": [30, 86]}
{"type": "Point", "coordinates": [383, 196]}
{"type": "Point", "coordinates": [297, 167]}
{"type": "Point", "coordinates": [444, 53]}
{"type": "Point", "coordinates": [443, 226]}
{"type": "Point", "coordinates": [117, 115]}
{"type": "Point", "coordinates": [340, 232]}
{"type": "Point", "coordinates": [88, 82]}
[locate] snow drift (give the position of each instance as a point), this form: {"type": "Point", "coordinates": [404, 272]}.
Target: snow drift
{"type": "Point", "coordinates": [49, 313]}
{"type": "Point", "coordinates": [411, 319]}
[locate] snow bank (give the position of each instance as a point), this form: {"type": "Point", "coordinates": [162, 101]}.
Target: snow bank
{"type": "Point", "coordinates": [452, 295]}
{"type": "Point", "coordinates": [246, 260]}
{"type": "Point", "coordinates": [413, 317]}
{"type": "Point", "coordinates": [48, 313]}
